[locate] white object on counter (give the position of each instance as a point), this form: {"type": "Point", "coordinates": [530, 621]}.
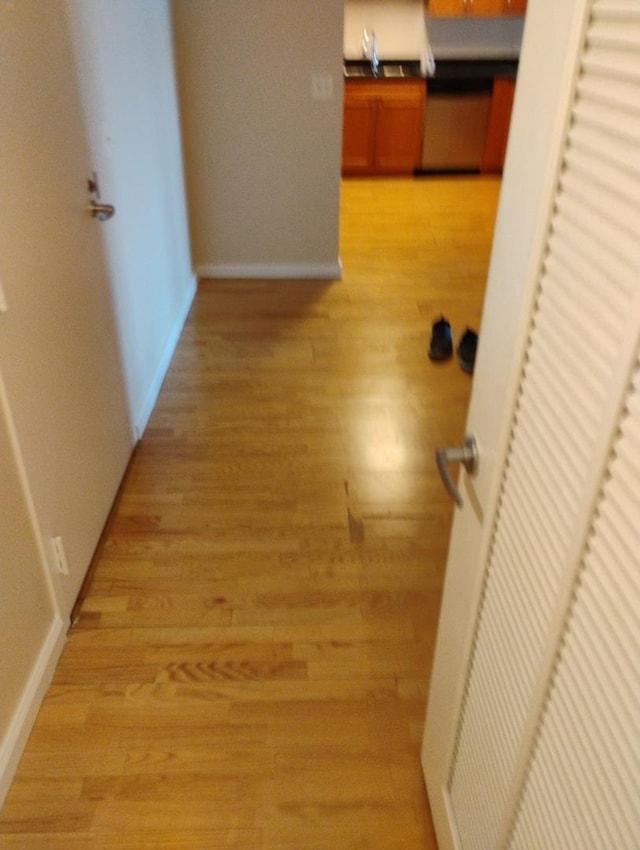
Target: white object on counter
{"type": "Point", "coordinates": [428, 62]}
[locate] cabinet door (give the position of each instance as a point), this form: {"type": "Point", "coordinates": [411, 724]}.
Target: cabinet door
{"type": "Point", "coordinates": [399, 129]}
{"type": "Point", "coordinates": [358, 133]}
{"type": "Point", "coordinates": [485, 7]}
{"type": "Point", "coordinates": [515, 7]}
{"type": "Point", "coordinates": [478, 8]}
{"type": "Point", "coordinates": [447, 8]}
{"type": "Point", "coordinates": [383, 126]}
{"type": "Point", "coordinates": [499, 122]}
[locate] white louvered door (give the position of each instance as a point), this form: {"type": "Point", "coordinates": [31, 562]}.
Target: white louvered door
{"type": "Point", "coordinates": [532, 738]}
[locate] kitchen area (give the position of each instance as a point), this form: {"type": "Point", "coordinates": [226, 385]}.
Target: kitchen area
{"type": "Point", "coordinates": [429, 86]}
{"type": "Point", "coordinates": [270, 121]}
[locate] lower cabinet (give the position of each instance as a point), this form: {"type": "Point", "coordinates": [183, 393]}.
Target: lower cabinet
{"type": "Point", "coordinates": [499, 121]}
{"type": "Point", "coordinates": [475, 8]}
{"type": "Point", "coordinates": [383, 125]}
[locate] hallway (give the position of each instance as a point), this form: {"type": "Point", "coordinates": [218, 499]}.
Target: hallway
{"type": "Point", "coordinates": [250, 665]}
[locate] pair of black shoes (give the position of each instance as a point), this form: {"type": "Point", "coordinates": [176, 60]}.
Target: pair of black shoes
{"type": "Point", "coordinates": [441, 346]}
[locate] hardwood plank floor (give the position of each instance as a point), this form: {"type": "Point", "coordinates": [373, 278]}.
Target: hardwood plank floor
{"type": "Point", "coordinates": [250, 666]}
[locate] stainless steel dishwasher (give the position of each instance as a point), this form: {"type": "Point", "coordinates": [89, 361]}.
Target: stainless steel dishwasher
{"type": "Point", "coordinates": [457, 116]}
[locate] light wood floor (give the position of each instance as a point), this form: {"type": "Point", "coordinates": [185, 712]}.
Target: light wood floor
{"type": "Point", "coordinates": [250, 666]}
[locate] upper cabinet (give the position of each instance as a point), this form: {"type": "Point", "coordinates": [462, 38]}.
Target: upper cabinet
{"type": "Point", "coordinates": [478, 8]}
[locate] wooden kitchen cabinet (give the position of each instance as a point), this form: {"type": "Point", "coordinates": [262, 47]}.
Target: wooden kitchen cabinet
{"type": "Point", "coordinates": [499, 122]}
{"type": "Point", "coordinates": [383, 126]}
{"type": "Point", "coordinates": [446, 8]}
{"type": "Point", "coordinates": [477, 8]}
{"type": "Point", "coordinates": [358, 132]}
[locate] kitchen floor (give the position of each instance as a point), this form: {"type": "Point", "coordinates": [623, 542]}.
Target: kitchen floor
{"type": "Point", "coordinates": [250, 665]}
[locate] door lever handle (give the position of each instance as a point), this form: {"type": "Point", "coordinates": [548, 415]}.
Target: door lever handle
{"type": "Point", "coordinates": [467, 455]}
{"type": "Point", "coordinates": [101, 211]}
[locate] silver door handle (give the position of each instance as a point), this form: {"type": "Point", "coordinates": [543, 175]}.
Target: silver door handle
{"type": "Point", "coordinates": [467, 455]}
{"type": "Point", "coordinates": [101, 211]}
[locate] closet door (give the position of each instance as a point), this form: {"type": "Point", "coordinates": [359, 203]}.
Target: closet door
{"type": "Point", "coordinates": [533, 724]}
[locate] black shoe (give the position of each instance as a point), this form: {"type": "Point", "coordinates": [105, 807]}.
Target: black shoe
{"type": "Point", "coordinates": [466, 350]}
{"type": "Point", "coordinates": [441, 347]}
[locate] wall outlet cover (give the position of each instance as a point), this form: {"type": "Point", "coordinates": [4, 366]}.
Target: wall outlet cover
{"type": "Point", "coordinates": [59, 555]}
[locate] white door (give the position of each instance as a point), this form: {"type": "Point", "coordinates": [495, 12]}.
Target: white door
{"type": "Point", "coordinates": [58, 344]}
{"type": "Point", "coordinates": [124, 57]}
{"type": "Point", "coordinates": [532, 737]}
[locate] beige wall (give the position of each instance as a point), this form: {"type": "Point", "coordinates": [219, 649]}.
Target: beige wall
{"type": "Point", "coordinates": [27, 614]}
{"type": "Point", "coordinates": [262, 155]}
{"type": "Point", "coordinates": [58, 343]}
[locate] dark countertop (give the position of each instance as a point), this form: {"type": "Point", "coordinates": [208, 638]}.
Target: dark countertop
{"type": "Point", "coordinates": [453, 69]}
{"type": "Point", "coordinates": [389, 69]}
{"type": "Point", "coordinates": [446, 69]}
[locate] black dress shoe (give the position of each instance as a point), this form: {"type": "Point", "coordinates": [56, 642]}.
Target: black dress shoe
{"type": "Point", "coordinates": [441, 347]}
{"type": "Point", "coordinates": [466, 350]}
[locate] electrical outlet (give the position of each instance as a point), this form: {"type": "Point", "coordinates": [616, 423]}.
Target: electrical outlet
{"type": "Point", "coordinates": [322, 86]}
{"type": "Point", "coordinates": [59, 555]}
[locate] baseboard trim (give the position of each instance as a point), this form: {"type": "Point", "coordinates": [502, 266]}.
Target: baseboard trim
{"type": "Point", "coordinates": [152, 395]}
{"type": "Point", "coordinates": [249, 271]}
{"type": "Point", "coordinates": [13, 745]}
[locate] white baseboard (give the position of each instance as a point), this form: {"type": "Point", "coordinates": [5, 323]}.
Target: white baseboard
{"type": "Point", "coordinates": [152, 395]}
{"type": "Point", "coordinates": [306, 271]}
{"type": "Point", "coordinates": [12, 747]}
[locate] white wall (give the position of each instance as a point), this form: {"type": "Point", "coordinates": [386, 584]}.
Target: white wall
{"type": "Point", "coordinates": [398, 24]}
{"type": "Point", "coordinates": [124, 55]}
{"type": "Point", "coordinates": [263, 157]}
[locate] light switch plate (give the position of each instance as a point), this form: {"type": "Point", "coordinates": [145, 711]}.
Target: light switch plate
{"type": "Point", "coordinates": [3, 300]}
{"type": "Point", "coordinates": [322, 86]}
